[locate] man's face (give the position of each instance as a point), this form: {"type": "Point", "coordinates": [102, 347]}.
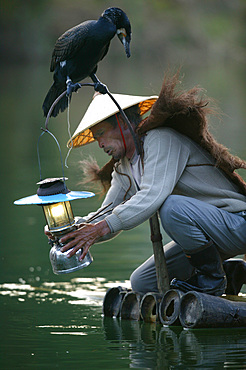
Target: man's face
{"type": "Point", "coordinates": [109, 139]}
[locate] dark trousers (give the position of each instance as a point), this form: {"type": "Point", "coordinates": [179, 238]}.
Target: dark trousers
{"type": "Point", "coordinates": [191, 223]}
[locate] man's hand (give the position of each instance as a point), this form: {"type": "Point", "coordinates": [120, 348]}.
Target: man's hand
{"type": "Point", "coordinates": [48, 233]}
{"type": "Point", "coordinates": [84, 237]}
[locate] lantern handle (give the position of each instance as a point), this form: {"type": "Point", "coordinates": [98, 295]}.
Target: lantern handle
{"type": "Point", "coordinates": [59, 148]}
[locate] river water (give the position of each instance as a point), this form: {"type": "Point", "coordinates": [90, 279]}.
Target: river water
{"type": "Point", "coordinates": [59, 324]}
{"type": "Point", "coordinates": [55, 321]}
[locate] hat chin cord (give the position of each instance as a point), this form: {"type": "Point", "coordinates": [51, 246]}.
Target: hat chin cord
{"type": "Point", "coordinates": [123, 138]}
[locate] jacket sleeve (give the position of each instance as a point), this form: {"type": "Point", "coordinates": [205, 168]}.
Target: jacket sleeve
{"type": "Point", "coordinates": [165, 158]}
{"type": "Point", "coordinates": [114, 196]}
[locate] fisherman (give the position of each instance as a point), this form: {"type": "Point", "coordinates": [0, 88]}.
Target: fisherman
{"type": "Point", "coordinates": [180, 171]}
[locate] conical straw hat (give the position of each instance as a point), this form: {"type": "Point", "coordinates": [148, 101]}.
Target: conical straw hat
{"type": "Point", "coordinates": [102, 107]}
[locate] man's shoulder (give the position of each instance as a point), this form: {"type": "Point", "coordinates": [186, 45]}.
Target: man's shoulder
{"type": "Point", "coordinates": [164, 133]}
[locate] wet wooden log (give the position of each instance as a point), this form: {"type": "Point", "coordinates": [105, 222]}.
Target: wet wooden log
{"type": "Point", "coordinates": [169, 308]}
{"type": "Point", "coordinates": [199, 310]}
{"type": "Point", "coordinates": [149, 307]}
{"type": "Point", "coordinates": [130, 307]}
{"type": "Point", "coordinates": [112, 301]}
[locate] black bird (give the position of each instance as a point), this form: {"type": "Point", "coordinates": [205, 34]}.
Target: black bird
{"type": "Point", "coordinates": [78, 51]}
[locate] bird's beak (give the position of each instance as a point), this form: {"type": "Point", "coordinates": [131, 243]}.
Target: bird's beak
{"type": "Point", "coordinates": [126, 45]}
{"type": "Point", "coordinates": [121, 33]}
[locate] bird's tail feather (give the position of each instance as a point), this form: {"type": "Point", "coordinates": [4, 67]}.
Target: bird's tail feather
{"type": "Point", "coordinates": [51, 96]}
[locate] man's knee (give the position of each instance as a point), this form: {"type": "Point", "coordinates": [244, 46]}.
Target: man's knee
{"type": "Point", "coordinates": [142, 284]}
{"type": "Point", "coordinates": [135, 282]}
{"type": "Point", "coordinates": [143, 279]}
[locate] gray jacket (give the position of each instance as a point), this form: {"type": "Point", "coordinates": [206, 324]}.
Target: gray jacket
{"type": "Point", "coordinates": [170, 167]}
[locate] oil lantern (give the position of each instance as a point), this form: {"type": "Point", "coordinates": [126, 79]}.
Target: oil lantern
{"type": "Point", "coordinates": [54, 197]}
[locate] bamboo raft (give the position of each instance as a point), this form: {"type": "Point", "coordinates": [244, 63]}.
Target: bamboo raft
{"type": "Point", "coordinates": [174, 308]}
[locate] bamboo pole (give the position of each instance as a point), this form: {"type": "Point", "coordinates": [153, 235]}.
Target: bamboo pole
{"type": "Point", "coordinates": [112, 301]}
{"type": "Point", "coordinates": [200, 310]}
{"type": "Point", "coordinates": [149, 307]}
{"type": "Point", "coordinates": [130, 307]}
{"type": "Point", "coordinates": [160, 261]}
{"type": "Point", "coordinates": [169, 308]}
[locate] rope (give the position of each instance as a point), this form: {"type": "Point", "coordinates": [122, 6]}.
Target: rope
{"type": "Point", "coordinates": [124, 142]}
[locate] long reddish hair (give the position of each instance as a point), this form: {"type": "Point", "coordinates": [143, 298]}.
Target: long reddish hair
{"type": "Point", "coordinates": [187, 112]}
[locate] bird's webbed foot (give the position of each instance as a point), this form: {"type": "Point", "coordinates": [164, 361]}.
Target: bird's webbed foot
{"type": "Point", "coordinates": [71, 87]}
{"type": "Point", "coordinates": [98, 85]}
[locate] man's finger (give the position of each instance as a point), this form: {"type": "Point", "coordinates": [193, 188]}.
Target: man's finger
{"type": "Point", "coordinates": [75, 249]}
{"type": "Point", "coordinates": [68, 236]}
{"type": "Point", "coordinates": [84, 253]}
{"type": "Point", "coordinates": [48, 233]}
{"type": "Point", "coordinates": [70, 245]}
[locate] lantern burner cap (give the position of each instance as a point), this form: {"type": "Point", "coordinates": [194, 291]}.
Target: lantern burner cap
{"type": "Point", "coordinates": [52, 186]}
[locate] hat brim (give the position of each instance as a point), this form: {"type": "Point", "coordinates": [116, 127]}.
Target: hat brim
{"type": "Point", "coordinates": [103, 107]}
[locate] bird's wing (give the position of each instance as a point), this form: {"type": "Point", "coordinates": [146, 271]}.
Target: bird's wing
{"type": "Point", "coordinates": [68, 43]}
{"type": "Point", "coordinates": [105, 51]}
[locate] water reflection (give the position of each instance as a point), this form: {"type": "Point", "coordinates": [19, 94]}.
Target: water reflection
{"type": "Point", "coordinates": [153, 346]}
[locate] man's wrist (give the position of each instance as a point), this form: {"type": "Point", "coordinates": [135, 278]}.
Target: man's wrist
{"type": "Point", "coordinates": [103, 228]}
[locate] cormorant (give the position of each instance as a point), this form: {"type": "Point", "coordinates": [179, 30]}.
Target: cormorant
{"type": "Point", "coordinates": [78, 51]}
